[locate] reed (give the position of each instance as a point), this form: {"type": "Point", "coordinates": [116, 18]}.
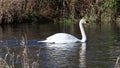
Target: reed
{"type": "Point", "coordinates": [9, 57]}
{"type": "Point", "coordinates": [117, 64]}
{"type": "Point", "coordinates": [25, 55]}
{"type": "Point", "coordinates": [3, 63]}
{"type": "Point", "coordinates": [21, 55]}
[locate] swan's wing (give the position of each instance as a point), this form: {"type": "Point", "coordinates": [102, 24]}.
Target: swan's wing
{"type": "Point", "coordinates": [62, 38]}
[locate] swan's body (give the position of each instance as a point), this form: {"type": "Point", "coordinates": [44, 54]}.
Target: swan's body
{"type": "Point", "coordinates": [61, 38]}
{"type": "Point", "coordinates": [67, 38]}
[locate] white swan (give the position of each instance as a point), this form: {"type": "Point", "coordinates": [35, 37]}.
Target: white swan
{"type": "Point", "coordinates": [67, 38]}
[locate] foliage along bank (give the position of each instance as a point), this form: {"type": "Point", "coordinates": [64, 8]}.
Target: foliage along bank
{"type": "Point", "coordinates": [16, 11]}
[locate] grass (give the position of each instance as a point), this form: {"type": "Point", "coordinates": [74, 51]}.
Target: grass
{"type": "Point", "coordinates": [67, 20]}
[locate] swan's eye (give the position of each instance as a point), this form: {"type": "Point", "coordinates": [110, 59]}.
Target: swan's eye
{"type": "Point", "coordinates": [87, 22]}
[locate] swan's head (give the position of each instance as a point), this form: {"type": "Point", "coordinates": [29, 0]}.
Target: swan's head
{"type": "Point", "coordinates": [84, 21]}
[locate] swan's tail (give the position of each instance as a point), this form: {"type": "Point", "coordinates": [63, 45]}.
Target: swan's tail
{"type": "Point", "coordinates": [44, 41]}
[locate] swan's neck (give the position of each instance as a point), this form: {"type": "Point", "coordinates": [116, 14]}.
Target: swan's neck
{"type": "Point", "coordinates": [82, 32]}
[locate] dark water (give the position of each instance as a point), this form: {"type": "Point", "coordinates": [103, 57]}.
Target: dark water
{"type": "Point", "coordinates": [100, 51]}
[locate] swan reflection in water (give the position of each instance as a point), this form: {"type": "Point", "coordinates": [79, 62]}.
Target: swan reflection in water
{"type": "Point", "coordinates": [82, 55]}
{"type": "Point", "coordinates": [65, 55]}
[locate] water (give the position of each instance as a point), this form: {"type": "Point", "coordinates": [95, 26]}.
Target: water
{"type": "Point", "coordinates": [100, 51]}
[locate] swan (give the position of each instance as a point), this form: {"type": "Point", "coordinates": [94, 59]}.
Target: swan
{"type": "Point", "coordinates": [67, 38]}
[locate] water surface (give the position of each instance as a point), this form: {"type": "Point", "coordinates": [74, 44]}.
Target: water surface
{"type": "Point", "coordinates": [100, 51]}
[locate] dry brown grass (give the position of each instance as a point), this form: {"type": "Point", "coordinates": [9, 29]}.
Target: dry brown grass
{"type": "Point", "coordinates": [15, 9]}
{"type": "Point", "coordinates": [9, 8]}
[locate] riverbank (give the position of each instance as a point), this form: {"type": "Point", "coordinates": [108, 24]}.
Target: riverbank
{"type": "Point", "coordinates": [16, 11]}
